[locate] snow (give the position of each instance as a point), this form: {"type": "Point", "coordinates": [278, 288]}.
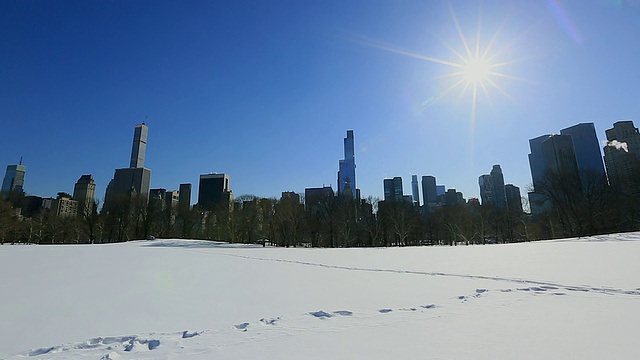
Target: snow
{"type": "Point", "coordinates": [165, 299]}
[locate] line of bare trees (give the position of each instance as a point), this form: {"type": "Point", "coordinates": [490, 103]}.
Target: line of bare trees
{"type": "Point", "coordinates": [574, 206]}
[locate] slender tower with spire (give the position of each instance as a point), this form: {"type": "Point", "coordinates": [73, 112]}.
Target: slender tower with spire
{"type": "Point", "coordinates": [347, 172]}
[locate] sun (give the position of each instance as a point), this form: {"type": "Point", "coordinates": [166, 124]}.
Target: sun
{"type": "Point", "coordinates": [476, 71]}
{"type": "Point", "coordinates": [474, 65]}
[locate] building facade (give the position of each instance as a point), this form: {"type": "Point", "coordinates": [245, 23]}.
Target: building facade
{"type": "Point", "coordinates": [347, 168]}
{"type": "Point", "coordinates": [185, 196]}
{"type": "Point", "coordinates": [14, 179]}
{"type": "Point", "coordinates": [514, 200]}
{"type": "Point", "coordinates": [139, 146]}
{"type": "Point", "coordinates": [64, 206]}
{"type": "Point", "coordinates": [393, 189]}
{"type": "Point", "coordinates": [84, 193]}
{"type": "Point", "coordinates": [587, 152]}
{"type": "Point", "coordinates": [415, 192]}
{"type": "Point", "coordinates": [214, 192]}
{"type": "Point", "coordinates": [622, 156]}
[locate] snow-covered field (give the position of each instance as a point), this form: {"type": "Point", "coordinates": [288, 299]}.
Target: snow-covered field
{"type": "Point", "coordinates": [166, 299]}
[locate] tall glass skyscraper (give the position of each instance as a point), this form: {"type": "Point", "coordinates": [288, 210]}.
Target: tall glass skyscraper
{"type": "Point", "coordinates": [587, 150]}
{"type": "Point", "coordinates": [14, 179]}
{"type": "Point", "coordinates": [139, 146]}
{"type": "Point", "coordinates": [415, 193]}
{"type": "Point", "coordinates": [347, 171]}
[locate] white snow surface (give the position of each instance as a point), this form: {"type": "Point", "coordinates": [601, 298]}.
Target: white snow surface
{"type": "Point", "coordinates": [168, 299]}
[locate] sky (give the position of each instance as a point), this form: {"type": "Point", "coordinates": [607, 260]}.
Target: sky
{"type": "Point", "coordinates": [265, 90]}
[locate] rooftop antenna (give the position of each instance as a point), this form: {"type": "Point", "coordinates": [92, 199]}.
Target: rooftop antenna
{"type": "Point", "coordinates": [20, 160]}
{"type": "Point", "coordinates": [145, 119]}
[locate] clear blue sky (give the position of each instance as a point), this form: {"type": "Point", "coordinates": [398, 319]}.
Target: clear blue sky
{"type": "Point", "coordinates": [265, 90]}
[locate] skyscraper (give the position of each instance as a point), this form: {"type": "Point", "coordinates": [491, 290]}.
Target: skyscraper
{"type": "Point", "coordinates": [587, 150]}
{"type": "Point", "coordinates": [84, 193]}
{"type": "Point", "coordinates": [134, 180]}
{"type": "Point", "coordinates": [14, 179]}
{"type": "Point", "coordinates": [550, 155]}
{"type": "Point", "coordinates": [414, 189]}
{"type": "Point", "coordinates": [214, 191]}
{"type": "Point", "coordinates": [559, 155]}
{"type": "Point", "coordinates": [622, 155]}
{"type": "Point", "coordinates": [492, 188]}
{"type": "Point", "coordinates": [537, 163]}
{"type": "Point", "coordinates": [514, 201]}
{"type": "Point", "coordinates": [497, 183]}
{"type": "Point", "coordinates": [185, 196]}
{"type": "Point", "coordinates": [429, 190]}
{"type": "Point", "coordinates": [347, 171]}
{"type": "Point", "coordinates": [486, 189]}
{"type": "Point", "coordinates": [393, 189]}
{"type": "Point", "coordinates": [139, 146]}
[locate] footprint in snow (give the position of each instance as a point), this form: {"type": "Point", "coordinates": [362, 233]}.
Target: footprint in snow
{"type": "Point", "coordinates": [269, 321]}
{"type": "Point", "coordinates": [321, 314]}
{"type": "Point", "coordinates": [186, 334]}
{"type": "Point", "coordinates": [430, 306]}
{"type": "Point", "coordinates": [242, 326]}
{"type": "Point", "coordinates": [385, 311]}
{"type": "Point", "coordinates": [343, 312]}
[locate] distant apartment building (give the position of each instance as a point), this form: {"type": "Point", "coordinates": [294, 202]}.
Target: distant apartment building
{"type": "Point", "coordinates": [622, 156]}
{"type": "Point", "coordinates": [185, 196]}
{"type": "Point", "coordinates": [452, 197]}
{"type": "Point", "coordinates": [64, 206]}
{"type": "Point", "coordinates": [316, 199]}
{"type": "Point", "coordinates": [290, 196]}
{"type": "Point", "coordinates": [393, 189]}
{"type": "Point", "coordinates": [84, 193]}
{"type": "Point", "coordinates": [214, 192]}
{"type": "Point", "coordinates": [172, 198]}
{"type": "Point", "coordinates": [514, 200]}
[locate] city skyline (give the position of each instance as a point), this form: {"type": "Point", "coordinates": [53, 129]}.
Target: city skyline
{"type": "Point", "coordinates": [267, 101]}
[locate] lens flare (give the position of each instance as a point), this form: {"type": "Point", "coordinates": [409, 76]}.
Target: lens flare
{"type": "Point", "coordinates": [475, 68]}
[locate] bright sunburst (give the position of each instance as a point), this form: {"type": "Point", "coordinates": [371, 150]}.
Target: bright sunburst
{"type": "Point", "coordinates": [475, 68]}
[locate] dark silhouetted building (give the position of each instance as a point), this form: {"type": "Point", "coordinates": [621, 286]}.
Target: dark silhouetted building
{"type": "Point", "coordinates": [492, 188]}
{"type": "Point", "coordinates": [514, 200]}
{"type": "Point", "coordinates": [429, 194]}
{"type": "Point", "coordinates": [587, 152]}
{"type": "Point", "coordinates": [393, 189]}
{"type": "Point", "coordinates": [316, 199]}
{"type": "Point", "coordinates": [290, 196]}
{"type": "Point", "coordinates": [84, 193]}
{"type": "Point", "coordinates": [622, 156]}
{"type": "Point", "coordinates": [185, 196]}
{"type": "Point", "coordinates": [452, 197]}
{"type": "Point", "coordinates": [214, 192]}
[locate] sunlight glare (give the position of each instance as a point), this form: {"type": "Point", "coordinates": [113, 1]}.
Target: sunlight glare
{"type": "Point", "coordinates": [476, 71]}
